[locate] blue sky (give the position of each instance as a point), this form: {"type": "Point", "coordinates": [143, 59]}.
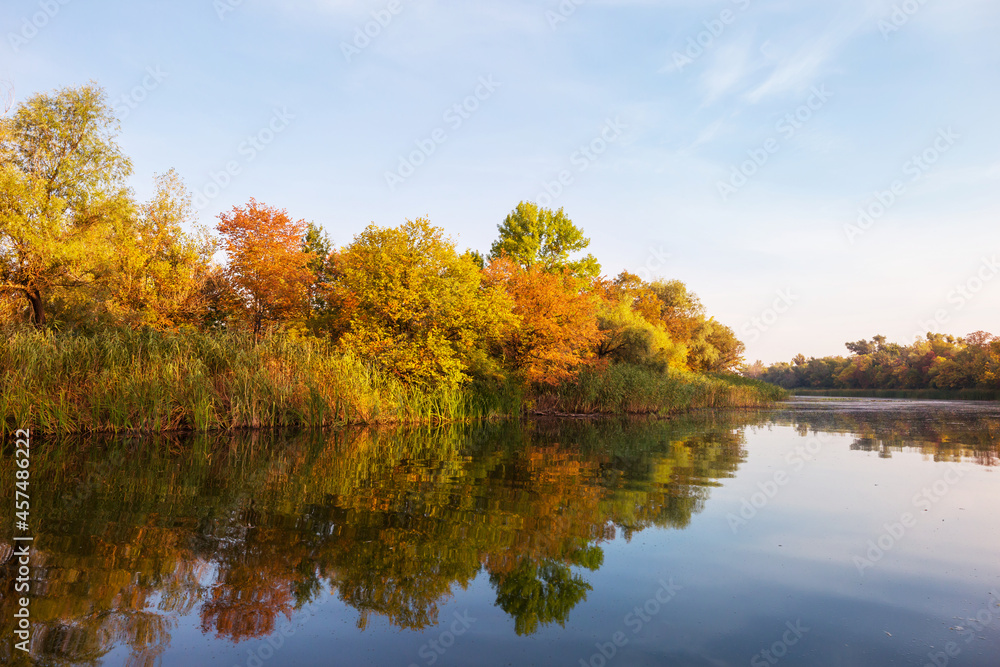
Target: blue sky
{"type": "Point", "coordinates": [729, 144]}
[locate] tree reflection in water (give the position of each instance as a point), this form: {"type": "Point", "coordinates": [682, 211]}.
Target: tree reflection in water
{"type": "Point", "coordinates": [244, 530]}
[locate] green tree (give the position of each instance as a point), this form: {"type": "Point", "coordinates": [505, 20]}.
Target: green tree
{"type": "Point", "coordinates": [317, 244]}
{"type": "Point", "coordinates": [533, 236]}
{"type": "Point", "coordinates": [539, 593]}
{"type": "Point", "coordinates": [62, 191]}
{"type": "Point", "coordinates": [715, 348]}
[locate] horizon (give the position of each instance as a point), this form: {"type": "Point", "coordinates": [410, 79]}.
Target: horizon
{"type": "Point", "coordinates": [837, 163]}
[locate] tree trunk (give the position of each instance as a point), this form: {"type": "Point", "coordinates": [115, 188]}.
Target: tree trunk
{"type": "Point", "coordinates": [37, 308]}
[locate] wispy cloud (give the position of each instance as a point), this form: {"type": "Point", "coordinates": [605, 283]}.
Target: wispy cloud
{"type": "Point", "coordinates": [730, 65]}
{"type": "Point", "coordinates": [804, 66]}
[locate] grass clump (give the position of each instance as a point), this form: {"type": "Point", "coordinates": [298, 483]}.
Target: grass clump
{"type": "Point", "coordinates": [632, 389]}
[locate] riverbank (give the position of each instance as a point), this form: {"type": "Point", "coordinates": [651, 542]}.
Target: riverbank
{"type": "Point", "coordinates": [925, 394]}
{"type": "Point", "coordinates": [147, 381]}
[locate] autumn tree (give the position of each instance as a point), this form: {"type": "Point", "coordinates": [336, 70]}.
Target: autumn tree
{"type": "Point", "coordinates": [681, 311]}
{"type": "Point", "coordinates": [557, 330]}
{"type": "Point", "coordinates": [417, 307]}
{"type": "Point", "coordinates": [268, 272]}
{"type": "Point", "coordinates": [532, 236]}
{"type": "Point", "coordinates": [62, 191]}
{"type": "Point", "coordinates": [714, 348]}
{"type": "Point", "coordinates": [160, 272]}
{"type": "Point", "coordinates": [630, 318]}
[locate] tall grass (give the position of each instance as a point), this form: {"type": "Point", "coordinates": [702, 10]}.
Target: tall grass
{"type": "Point", "coordinates": [628, 389]}
{"type": "Point", "coordinates": [125, 380]}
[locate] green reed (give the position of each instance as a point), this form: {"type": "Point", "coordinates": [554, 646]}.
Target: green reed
{"type": "Point", "coordinates": [125, 380]}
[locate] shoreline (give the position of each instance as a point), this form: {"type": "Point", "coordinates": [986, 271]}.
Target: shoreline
{"type": "Point", "coordinates": [985, 395]}
{"type": "Point", "coordinates": [127, 381]}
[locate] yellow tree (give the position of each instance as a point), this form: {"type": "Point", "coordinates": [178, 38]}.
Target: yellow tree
{"type": "Point", "coordinates": [62, 194]}
{"type": "Point", "coordinates": [416, 306]}
{"type": "Point", "coordinates": [268, 272]}
{"type": "Point", "coordinates": [161, 271]}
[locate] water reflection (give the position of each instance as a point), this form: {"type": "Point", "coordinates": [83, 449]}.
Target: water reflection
{"type": "Point", "coordinates": [240, 532]}
{"type": "Point", "coordinates": [245, 530]}
{"type": "Point", "coordinates": [942, 430]}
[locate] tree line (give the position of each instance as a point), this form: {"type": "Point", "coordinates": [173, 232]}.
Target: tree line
{"type": "Point", "coordinates": [79, 252]}
{"type": "Point", "coordinates": [938, 361]}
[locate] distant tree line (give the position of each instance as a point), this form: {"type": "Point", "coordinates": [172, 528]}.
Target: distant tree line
{"type": "Point", "coordinates": [938, 361]}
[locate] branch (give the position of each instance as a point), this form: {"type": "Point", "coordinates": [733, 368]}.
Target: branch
{"type": "Point", "coordinates": [4, 287]}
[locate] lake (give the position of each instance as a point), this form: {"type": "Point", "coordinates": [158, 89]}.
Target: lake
{"type": "Point", "coordinates": [822, 532]}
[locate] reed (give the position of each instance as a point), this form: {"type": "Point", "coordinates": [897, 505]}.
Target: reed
{"type": "Point", "coordinates": [126, 380]}
{"type": "Point", "coordinates": [629, 389]}
{"type": "Point", "coordinates": [148, 381]}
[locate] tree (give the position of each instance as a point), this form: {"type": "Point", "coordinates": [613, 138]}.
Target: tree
{"type": "Point", "coordinates": [681, 312]}
{"type": "Point", "coordinates": [267, 271]}
{"type": "Point", "coordinates": [62, 190]}
{"type": "Point", "coordinates": [631, 338]}
{"type": "Point", "coordinates": [160, 271]}
{"type": "Point", "coordinates": [316, 243]}
{"type": "Point", "coordinates": [630, 317]}
{"type": "Point", "coordinates": [417, 307]}
{"type": "Point", "coordinates": [715, 348]}
{"type": "Point", "coordinates": [533, 236]}
{"type": "Point", "coordinates": [557, 330]}
{"type": "Point", "coordinates": [539, 593]}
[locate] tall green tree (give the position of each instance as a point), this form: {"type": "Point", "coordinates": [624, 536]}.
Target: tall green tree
{"type": "Point", "coordinates": [532, 236]}
{"type": "Point", "coordinates": [317, 244]}
{"type": "Point", "coordinates": [62, 192]}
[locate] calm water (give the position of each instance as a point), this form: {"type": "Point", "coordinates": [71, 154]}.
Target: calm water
{"type": "Point", "coordinates": [827, 532]}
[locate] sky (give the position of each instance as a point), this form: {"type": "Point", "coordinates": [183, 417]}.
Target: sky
{"type": "Point", "coordinates": [817, 172]}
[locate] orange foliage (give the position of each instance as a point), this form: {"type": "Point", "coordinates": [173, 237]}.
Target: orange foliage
{"type": "Point", "coordinates": [268, 272]}
{"type": "Point", "coordinates": [558, 322]}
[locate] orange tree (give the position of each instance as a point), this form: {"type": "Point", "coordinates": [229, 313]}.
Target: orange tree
{"type": "Point", "coordinates": [267, 272]}
{"type": "Point", "coordinates": [557, 328]}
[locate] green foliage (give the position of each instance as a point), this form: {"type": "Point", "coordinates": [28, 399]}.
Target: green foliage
{"type": "Point", "coordinates": [631, 338]}
{"type": "Point", "coordinates": [532, 236]}
{"type": "Point", "coordinates": [714, 348]}
{"type": "Point", "coordinates": [320, 304]}
{"type": "Point", "coordinates": [539, 594]}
